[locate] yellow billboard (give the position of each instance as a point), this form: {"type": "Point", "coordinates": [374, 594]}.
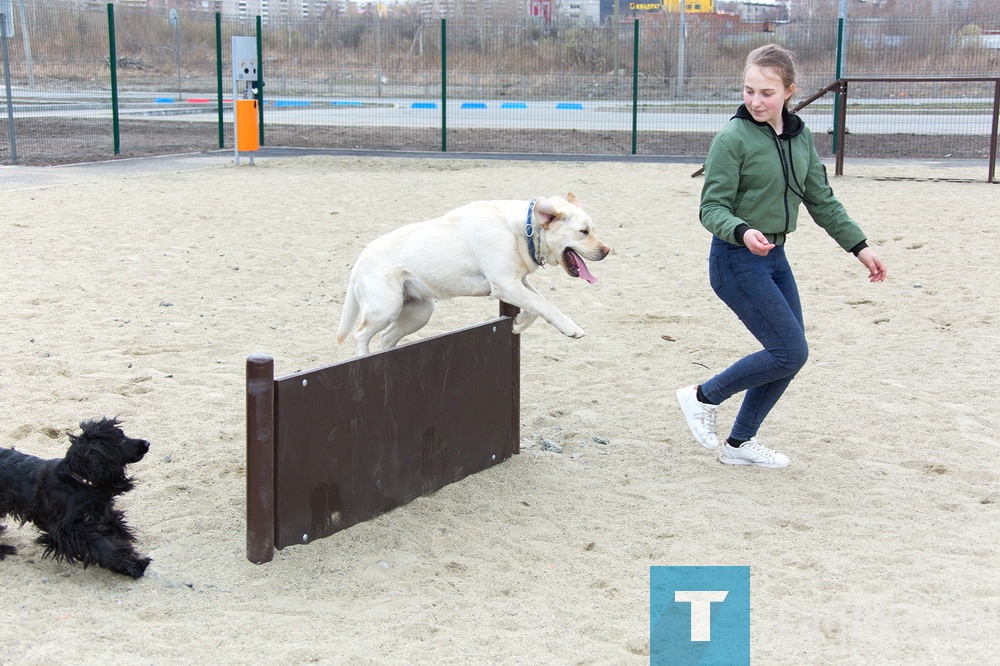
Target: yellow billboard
{"type": "Point", "coordinates": [695, 6]}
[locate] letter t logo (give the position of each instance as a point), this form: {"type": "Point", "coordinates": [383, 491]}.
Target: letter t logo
{"type": "Point", "coordinates": [701, 610]}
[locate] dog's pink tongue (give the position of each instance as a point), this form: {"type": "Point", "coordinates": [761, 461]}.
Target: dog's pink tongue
{"type": "Point", "coordinates": [584, 271]}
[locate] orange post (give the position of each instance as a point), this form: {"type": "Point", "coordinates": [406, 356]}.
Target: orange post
{"type": "Point", "coordinates": [247, 135]}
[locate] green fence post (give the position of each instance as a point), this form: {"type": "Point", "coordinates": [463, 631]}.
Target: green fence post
{"type": "Point", "coordinates": [635, 83]}
{"type": "Point", "coordinates": [444, 86]}
{"type": "Point", "coordinates": [113, 60]}
{"type": "Point", "coordinates": [841, 56]}
{"type": "Point", "coordinates": [218, 75]}
{"type": "Point", "coordinates": [260, 84]}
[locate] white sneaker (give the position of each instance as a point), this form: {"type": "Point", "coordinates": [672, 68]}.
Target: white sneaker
{"type": "Point", "coordinates": [699, 416]}
{"type": "Point", "coordinates": [752, 452]}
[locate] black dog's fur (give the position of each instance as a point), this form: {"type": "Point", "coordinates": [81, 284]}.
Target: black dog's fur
{"type": "Point", "coordinates": [71, 500]}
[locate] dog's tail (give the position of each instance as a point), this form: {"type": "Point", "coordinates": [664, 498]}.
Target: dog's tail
{"type": "Point", "coordinates": [349, 313]}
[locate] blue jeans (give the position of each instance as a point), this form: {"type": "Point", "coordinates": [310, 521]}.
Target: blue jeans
{"type": "Point", "coordinates": [762, 293]}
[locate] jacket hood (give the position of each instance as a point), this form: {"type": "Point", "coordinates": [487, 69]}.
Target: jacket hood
{"type": "Point", "coordinates": [791, 123]}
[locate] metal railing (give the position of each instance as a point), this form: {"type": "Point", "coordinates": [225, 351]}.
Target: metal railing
{"type": "Point", "coordinates": [841, 88]}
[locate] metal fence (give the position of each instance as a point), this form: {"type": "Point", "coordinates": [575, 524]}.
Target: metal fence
{"type": "Point", "coordinates": [90, 82]}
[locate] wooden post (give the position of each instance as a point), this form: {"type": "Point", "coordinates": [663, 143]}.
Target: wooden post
{"type": "Point", "coordinates": [508, 310]}
{"type": "Point", "coordinates": [260, 458]}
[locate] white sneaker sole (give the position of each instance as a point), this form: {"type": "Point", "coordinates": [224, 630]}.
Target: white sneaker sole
{"type": "Point", "coordinates": [726, 460]}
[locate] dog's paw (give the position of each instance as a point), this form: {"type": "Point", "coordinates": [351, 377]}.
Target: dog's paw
{"type": "Point", "coordinates": [138, 568]}
{"type": "Point", "coordinates": [573, 331]}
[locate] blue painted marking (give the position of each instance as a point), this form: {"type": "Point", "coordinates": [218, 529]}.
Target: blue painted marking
{"type": "Point", "coordinates": [340, 103]}
{"type": "Point", "coordinates": [424, 105]}
{"type": "Point", "coordinates": [513, 105]}
{"type": "Point", "coordinates": [473, 105]}
{"type": "Point", "coordinates": [291, 102]}
{"type": "Point", "coordinates": [164, 100]}
{"type": "Point", "coordinates": [571, 106]}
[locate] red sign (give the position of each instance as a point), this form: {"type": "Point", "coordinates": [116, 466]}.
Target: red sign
{"type": "Point", "coordinates": [541, 9]}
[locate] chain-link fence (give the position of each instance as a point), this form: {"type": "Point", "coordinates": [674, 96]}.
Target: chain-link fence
{"type": "Point", "coordinates": [95, 82]}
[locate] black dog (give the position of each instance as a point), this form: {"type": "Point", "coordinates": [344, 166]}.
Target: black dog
{"type": "Point", "coordinates": [72, 500]}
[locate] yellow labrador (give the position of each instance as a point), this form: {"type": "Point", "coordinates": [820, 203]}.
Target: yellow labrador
{"type": "Point", "coordinates": [485, 248]}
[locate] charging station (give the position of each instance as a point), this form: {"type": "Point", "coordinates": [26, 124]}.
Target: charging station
{"type": "Point", "coordinates": [246, 131]}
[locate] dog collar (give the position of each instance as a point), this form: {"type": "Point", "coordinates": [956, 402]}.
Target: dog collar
{"type": "Point", "coordinates": [529, 231]}
{"type": "Point", "coordinates": [86, 482]}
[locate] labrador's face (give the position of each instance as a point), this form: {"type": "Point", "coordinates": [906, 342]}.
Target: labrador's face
{"type": "Point", "coordinates": [569, 236]}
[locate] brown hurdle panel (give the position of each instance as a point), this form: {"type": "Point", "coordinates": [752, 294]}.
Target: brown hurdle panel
{"type": "Point", "coordinates": [334, 446]}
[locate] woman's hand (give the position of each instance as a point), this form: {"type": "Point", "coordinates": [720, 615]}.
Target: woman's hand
{"type": "Point", "coordinates": [757, 242]}
{"type": "Point", "coordinates": [877, 270]}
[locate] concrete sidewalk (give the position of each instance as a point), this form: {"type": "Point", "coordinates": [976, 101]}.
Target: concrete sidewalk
{"type": "Point", "coordinates": [14, 177]}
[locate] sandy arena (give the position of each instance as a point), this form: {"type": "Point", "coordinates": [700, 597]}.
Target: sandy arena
{"type": "Point", "coordinates": [138, 289]}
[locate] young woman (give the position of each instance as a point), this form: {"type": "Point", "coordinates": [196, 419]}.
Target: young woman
{"type": "Point", "coordinates": [760, 167]}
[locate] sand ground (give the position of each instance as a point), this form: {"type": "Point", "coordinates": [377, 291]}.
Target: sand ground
{"type": "Point", "coordinates": [139, 288]}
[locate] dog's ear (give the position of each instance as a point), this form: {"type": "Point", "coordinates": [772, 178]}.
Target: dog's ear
{"type": "Point", "coordinates": [570, 197]}
{"type": "Point", "coordinates": [545, 212]}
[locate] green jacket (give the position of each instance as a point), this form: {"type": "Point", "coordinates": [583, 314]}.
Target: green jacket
{"type": "Point", "coordinates": [756, 179]}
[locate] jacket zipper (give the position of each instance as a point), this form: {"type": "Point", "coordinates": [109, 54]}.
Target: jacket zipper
{"type": "Point", "coordinates": [784, 172]}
